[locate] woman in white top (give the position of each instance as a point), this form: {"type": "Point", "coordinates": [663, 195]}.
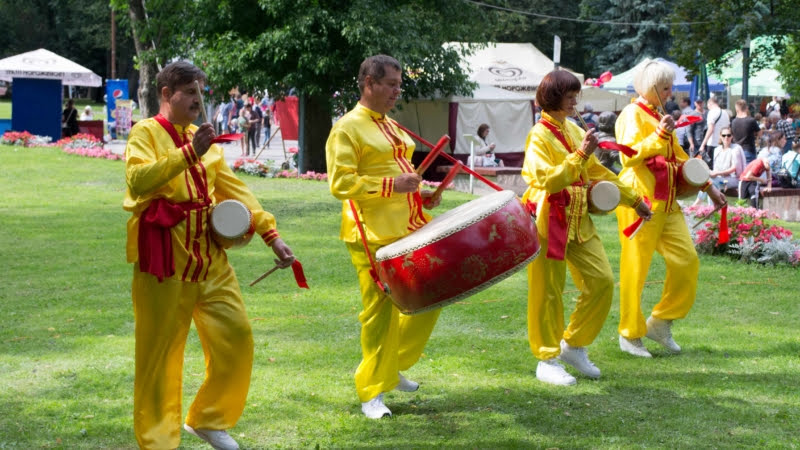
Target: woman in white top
{"type": "Point", "coordinates": [485, 156]}
{"type": "Point", "coordinates": [87, 113]}
{"type": "Point", "coordinates": [729, 162]}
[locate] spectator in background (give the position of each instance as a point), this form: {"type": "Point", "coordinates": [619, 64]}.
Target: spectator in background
{"type": "Point", "coordinates": [791, 162]}
{"type": "Point", "coordinates": [485, 147]}
{"type": "Point", "coordinates": [267, 122]}
{"type": "Point", "coordinates": [87, 113]}
{"type": "Point", "coordinates": [697, 130]}
{"type": "Point", "coordinates": [69, 119]}
{"type": "Point", "coordinates": [715, 121]}
{"type": "Point", "coordinates": [252, 129]}
{"type": "Point", "coordinates": [729, 163]}
{"type": "Point", "coordinates": [751, 180]}
{"type": "Point", "coordinates": [785, 127]}
{"type": "Point", "coordinates": [589, 116]}
{"type": "Point", "coordinates": [686, 106]}
{"type": "Point", "coordinates": [671, 105]}
{"type": "Point", "coordinates": [256, 120]}
{"type": "Point", "coordinates": [745, 130]}
{"type": "Point", "coordinates": [681, 133]}
{"type": "Point", "coordinates": [773, 150]}
{"type": "Point", "coordinates": [605, 133]}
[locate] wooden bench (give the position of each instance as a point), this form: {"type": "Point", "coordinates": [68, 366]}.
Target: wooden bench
{"type": "Point", "coordinates": [506, 177]}
{"type": "Point", "coordinates": [782, 201]}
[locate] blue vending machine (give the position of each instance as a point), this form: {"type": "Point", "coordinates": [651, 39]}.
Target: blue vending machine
{"type": "Point", "coordinates": [115, 90]}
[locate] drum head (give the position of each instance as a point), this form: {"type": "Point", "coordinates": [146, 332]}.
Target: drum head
{"type": "Point", "coordinates": [604, 196]}
{"type": "Point", "coordinates": [447, 224]}
{"type": "Point", "coordinates": [695, 172]}
{"type": "Point", "coordinates": [230, 219]}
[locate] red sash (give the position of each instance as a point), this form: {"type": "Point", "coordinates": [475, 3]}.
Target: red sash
{"type": "Point", "coordinates": [659, 166]}
{"type": "Point", "coordinates": [557, 225]}
{"type": "Point", "coordinates": [557, 228]}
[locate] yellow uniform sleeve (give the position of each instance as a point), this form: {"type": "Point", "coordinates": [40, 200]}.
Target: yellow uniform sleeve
{"type": "Point", "coordinates": [343, 155]}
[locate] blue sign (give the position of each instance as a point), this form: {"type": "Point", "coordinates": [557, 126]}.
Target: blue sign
{"type": "Point", "coordinates": [115, 90]}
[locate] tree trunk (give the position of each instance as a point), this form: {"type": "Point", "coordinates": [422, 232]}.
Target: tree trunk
{"type": "Point", "coordinates": [315, 126]}
{"type": "Point", "coordinates": [148, 94]}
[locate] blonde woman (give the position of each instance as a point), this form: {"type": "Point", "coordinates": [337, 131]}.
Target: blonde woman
{"type": "Point", "coordinates": [652, 173]}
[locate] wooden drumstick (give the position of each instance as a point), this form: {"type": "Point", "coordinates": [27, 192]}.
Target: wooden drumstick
{"type": "Point", "coordinates": [266, 274]}
{"type": "Point", "coordinates": [202, 106]}
{"type": "Point", "coordinates": [585, 127]}
{"type": "Point", "coordinates": [658, 97]}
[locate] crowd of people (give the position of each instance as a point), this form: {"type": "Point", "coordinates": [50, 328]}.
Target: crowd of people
{"type": "Point", "coordinates": [181, 275]}
{"type": "Point", "coordinates": [250, 115]}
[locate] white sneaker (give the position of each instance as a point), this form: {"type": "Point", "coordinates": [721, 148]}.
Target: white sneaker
{"type": "Point", "coordinates": [661, 331]}
{"type": "Point", "coordinates": [576, 357]}
{"type": "Point", "coordinates": [219, 439]}
{"type": "Point", "coordinates": [551, 371]}
{"type": "Point", "coordinates": [375, 409]}
{"type": "Point", "coordinates": [634, 347]}
{"type": "Point", "coordinates": [405, 384]}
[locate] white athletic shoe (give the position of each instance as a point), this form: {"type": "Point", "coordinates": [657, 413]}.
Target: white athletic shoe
{"type": "Point", "coordinates": [219, 439]}
{"type": "Point", "coordinates": [576, 357]}
{"type": "Point", "coordinates": [375, 409]}
{"type": "Point", "coordinates": [661, 331]}
{"type": "Point", "coordinates": [634, 347]}
{"type": "Point", "coordinates": [551, 371]}
{"type": "Point", "coordinates": [405, 384]}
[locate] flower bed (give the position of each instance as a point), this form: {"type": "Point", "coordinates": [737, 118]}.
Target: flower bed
{"type": "Point", "coordinates": [24, 139]}
{"type": "Point", "coordinates": [81, 144]}
{"type": "Point", "coordinates": [752, 237]}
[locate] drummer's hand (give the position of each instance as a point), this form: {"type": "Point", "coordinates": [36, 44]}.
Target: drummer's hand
{"type": "Point", "coordinates": [589, 142]}
{"type": "Point", "coordinates": [429, 201]}
{"type": "Point", "coordinates": [202, 138]}
{"type": "Point", "coordinates": [283, 252]}
{"type": "Point", "coordinates": [407, 182]}
{"type": "Point", "coordinates": [668, 124]}
{"type": "Point", "coordinates": [717, 196]}
{"type": "Point", "coordinates": [643, 211]}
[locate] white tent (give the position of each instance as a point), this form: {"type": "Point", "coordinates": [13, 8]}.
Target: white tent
{"type": "Point", "coordinates": [517, 65]}
{"type": "Point", "coordinates": [44, 64]}
{"type": "Point", "coordinates": [602, 100]}
{"type": "Point", "coordinates": [508, 114]}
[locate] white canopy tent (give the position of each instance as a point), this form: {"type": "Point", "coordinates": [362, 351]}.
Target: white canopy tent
{"type": "Point", "coordinates": [518, 65]}
{"type": "Point", "coordinates": [508, 114]}
{"type": "Point", "coordinates": [44, 64]}
{"type": "Point", "coordinates": [602, 100]}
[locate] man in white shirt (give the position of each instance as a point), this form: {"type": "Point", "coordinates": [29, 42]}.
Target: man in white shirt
{"type": "Point", "coordinates": [716, 120]}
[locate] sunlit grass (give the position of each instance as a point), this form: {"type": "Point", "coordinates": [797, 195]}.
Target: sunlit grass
{"type": "Point", "coordinates": [66, 340]}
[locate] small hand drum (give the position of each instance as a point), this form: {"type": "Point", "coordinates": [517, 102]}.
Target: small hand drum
{"type": "Point", "coordinates": [231, 224]}
{"type": "Point", "coordinates": [692, 175]}
{"type": "Point", "coordinates": [603, 197]}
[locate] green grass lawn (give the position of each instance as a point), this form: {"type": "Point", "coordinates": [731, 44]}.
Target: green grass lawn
{"type": "Point", "coordinates": [5, 108]}
{"type": "Point", "coordinates": [66, 340]}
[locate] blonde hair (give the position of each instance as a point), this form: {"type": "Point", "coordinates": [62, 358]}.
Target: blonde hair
{"type": "Point", "coordinates": [652, 74]}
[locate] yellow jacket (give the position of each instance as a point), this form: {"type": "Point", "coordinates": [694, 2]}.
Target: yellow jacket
{"type": "Point", "coordinates": [365, 152]}
{"type": "Point", "coordinates": [156, 168]}
{"type": "Point", "coordinates": [640, 130]}
{"type": "Point", "coordinates": [549, 167]}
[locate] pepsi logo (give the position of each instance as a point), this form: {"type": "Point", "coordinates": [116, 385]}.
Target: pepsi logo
{"type": "Point", "coordinates": [117, 93]}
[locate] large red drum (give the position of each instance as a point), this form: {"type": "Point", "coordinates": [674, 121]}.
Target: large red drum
{"type": "Point", "coordinates": [459, 253]}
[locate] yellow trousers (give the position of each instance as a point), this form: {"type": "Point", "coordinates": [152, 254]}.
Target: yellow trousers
{"type": "Point", "coordinates": [163, 313]}
{"type": "Point", "coordinates": [667, 234]}
{"type": "Point", "coordinates": [592, 275]}
{"type": "Point", "coordinates": [390, 341]}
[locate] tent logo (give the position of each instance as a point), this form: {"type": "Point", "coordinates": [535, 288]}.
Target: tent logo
{"type": "Point", "coordinates": [38, 62]}
{"type": "Point", "coordinates": [505, 72]}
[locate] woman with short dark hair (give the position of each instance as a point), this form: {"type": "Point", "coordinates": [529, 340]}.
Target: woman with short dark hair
{"type": "Point", "coordinates": [559, 167]}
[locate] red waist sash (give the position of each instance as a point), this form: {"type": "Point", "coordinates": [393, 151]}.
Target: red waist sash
{"type": "Point", "coordinates": [155, 243]}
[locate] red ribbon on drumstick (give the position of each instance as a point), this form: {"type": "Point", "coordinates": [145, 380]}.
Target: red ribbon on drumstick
{"type": "Point", "coordinates": [685, 121]}
{"type": "Point", "coordinates": [631, 230]}
{"type": "Point", "coordinates": [624, 149]}
{"type": "Point", "coordinates": [230, 137]}
{"type": "Point", "coordinates": [297, 270]}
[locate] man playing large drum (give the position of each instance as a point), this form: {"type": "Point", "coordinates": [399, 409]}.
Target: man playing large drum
{"type": "Point", "coordinates": [175, 175]}
{"type": "Point", "coordinates": [369, 163]}
{"type": "Point", "coordinates": [559, 167]}
{"type": "Point", "coordinates": [653, 172]}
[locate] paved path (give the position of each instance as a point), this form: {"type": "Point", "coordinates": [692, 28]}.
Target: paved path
{"type": "Point", "coordinates": [233, 150]}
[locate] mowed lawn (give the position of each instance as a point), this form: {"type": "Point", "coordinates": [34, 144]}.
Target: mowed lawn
{"type": "Point", "coordinates": [66, 340]}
